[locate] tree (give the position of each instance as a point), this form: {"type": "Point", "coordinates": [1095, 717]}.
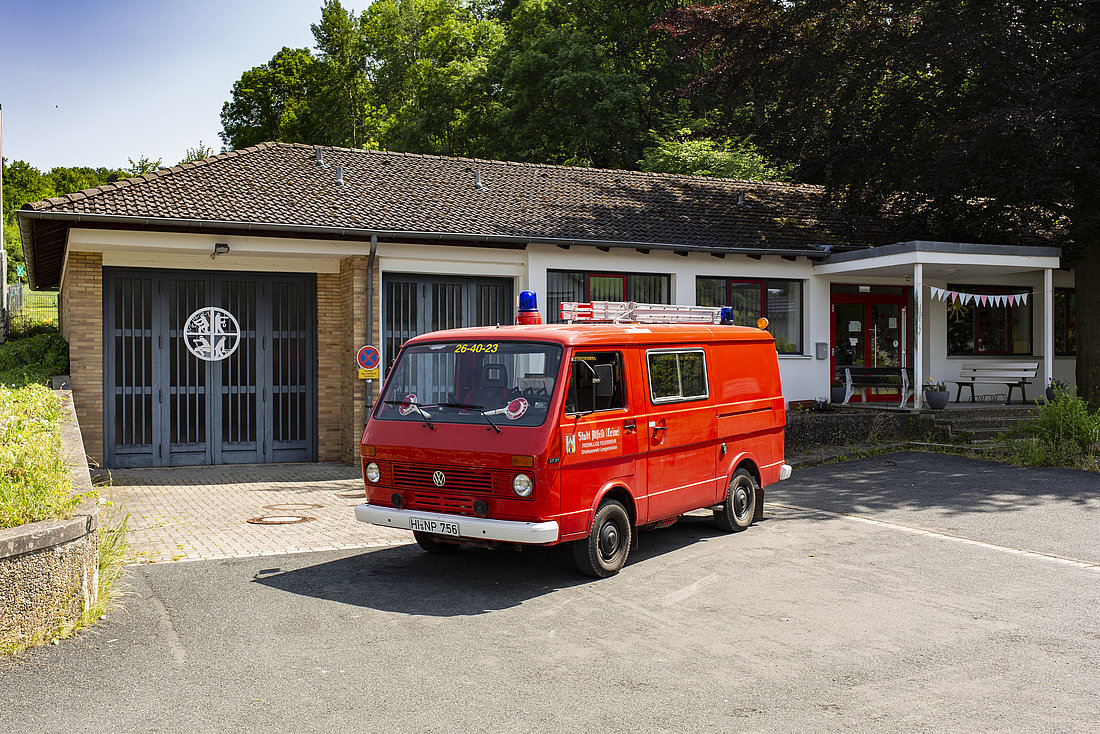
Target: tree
{"type": "Point", "coordinates": [699, 155]}
{"type": "Point", "coordinates": [342, 100]}
{"type": "Point", "coordinates": [197, 153]}
{"type": "Point", "coordinates": [24, 183]}
{"type": "Point", "coordinates": [142, 166]}
{"type": "Point", "coordinates": [272, 101]}
{"type": "Point", "coordinates": [428, 66]}
{"type": "Point", "coordinates": [970, 120]}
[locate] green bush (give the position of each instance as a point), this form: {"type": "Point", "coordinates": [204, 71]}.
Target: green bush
{"type": "Point", "coordinates": [34, 482]}
{"type": "Point", "coordinates": [33, 359]}
{"type": "Point", "coordinates": [1063, 433]}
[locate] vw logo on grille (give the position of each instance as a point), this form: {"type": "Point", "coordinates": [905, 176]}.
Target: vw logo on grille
{"type": "Point", "coordinates": [438, 479]}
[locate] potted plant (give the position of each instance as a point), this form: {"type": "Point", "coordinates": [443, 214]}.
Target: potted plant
{"type": "Point", "coordinates": [836, 392]}
{"type": "Point", "coordinates": [1056, 386]}
{"type": "Point", "coordinates": [935, 392]}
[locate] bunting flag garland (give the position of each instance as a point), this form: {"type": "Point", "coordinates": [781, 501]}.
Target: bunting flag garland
{"type": "Point", "coordinates": [983, 299]}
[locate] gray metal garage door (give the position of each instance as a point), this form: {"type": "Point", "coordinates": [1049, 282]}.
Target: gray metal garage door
{"type": "Point", "coordinates": [208, 368]}
{"type": "Point", "coordinates": [416, 304]}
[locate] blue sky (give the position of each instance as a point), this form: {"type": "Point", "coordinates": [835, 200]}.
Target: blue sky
{"type": "Point", "coordinates": [95, 82]}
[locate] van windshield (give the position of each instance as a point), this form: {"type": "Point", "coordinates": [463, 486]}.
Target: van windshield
{"type": "Point", "coordinates": [497, 384]}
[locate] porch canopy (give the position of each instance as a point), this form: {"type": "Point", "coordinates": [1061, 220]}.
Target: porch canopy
{"type": "Point", "coordinates": [957, 261]}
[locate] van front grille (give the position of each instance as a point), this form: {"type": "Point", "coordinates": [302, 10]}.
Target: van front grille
{"type": "Point", "coordinates": [457, 479]}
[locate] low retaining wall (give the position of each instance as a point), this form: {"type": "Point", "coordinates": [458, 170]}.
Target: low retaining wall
{"type": "Point", "coordinates": [809, 431]}
{"type": "Point", "coordinates": [48, 570]}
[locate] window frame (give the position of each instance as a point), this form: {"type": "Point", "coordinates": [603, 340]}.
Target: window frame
{"type": "Point", "coordinates": [1066, 315]}
{"type": "Point", "coordinates": [991, 290]}
{"type": "Point", "coordinates": [762, 284]}
{"type": "Point", "coordinates": [681, 398]}
{"type": "Point", "coordinates": [627, 278]}
{"type": "Point", "coordinates": [622, 383]}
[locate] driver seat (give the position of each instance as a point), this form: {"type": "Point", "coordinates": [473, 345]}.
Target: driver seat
{"type": "Point", "coordinates": [492, 390]}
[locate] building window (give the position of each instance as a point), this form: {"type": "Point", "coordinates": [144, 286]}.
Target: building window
{"type": "Point", "coordinates": [1065, 322]}
{"type": "Point", "coordinates": [779, 301]}
{"type": "Point", "coordinates": [989, 328]}
{"type": "Point", "coordinates": [578, 285]}
{"type": "Point", "coordinates": [676, 376]}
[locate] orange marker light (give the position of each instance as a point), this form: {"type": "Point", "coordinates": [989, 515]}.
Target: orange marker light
{"type": "Point", "coordinates": [527, 461]}
{"type": "Point", "coordinates": [761, 323]}
{"type": "Point", "coordinates": [366, 450]}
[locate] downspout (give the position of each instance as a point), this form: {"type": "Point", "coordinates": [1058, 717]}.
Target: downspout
{"type": "Point", "coordinates": [370, 318]}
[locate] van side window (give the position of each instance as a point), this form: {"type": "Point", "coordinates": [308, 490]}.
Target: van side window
{"type": "Point", "coordinates": [596, 382]}
{"type": "Point", "coordinates": [677, 375]}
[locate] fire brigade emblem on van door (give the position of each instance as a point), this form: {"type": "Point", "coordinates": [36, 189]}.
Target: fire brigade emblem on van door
{"type": "Point", "coordinates": [570, 444]}
{"type": "Point", "coordinates": [211, 334]}
{"type": "Point", "coordinates": [439, 479]}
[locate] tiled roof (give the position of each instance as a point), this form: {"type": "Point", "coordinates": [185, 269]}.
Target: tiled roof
{"type": "Point", "coordinates": [281, 184]}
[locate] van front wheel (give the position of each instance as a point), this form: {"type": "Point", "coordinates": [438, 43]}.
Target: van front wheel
{"type": "Point", "coordinates": [605, 549]}
{"type": "Point", "coordinates": [739, 507]}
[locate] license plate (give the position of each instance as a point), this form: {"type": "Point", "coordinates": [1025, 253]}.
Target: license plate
{"type": "Point", "coordinates": [439, 527]}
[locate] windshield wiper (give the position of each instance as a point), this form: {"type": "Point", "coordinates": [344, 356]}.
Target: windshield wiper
{"type": "Point", "coordinates": [418, 407]}
{"type": "Point", "coordinates": [469, 406]}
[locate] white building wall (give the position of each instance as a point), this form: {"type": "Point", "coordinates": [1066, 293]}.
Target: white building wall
{"type": "Point", "coordinates": [804, 376]}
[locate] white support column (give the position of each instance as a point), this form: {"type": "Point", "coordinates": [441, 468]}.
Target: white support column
{"type": "Point", "coordinates": [1048, 326]}
{"type": "Point", "coordinates": [918, 335]}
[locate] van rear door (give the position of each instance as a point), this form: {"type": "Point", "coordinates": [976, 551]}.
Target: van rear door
{"type": "Point", "coordinates": [680, 431]}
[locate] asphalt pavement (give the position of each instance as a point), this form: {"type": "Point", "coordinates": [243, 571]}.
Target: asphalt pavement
{"type": "Point", "coordinates": [901, 593]}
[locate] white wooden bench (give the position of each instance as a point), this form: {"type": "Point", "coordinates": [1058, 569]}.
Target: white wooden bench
{"type": "Point", "coordinates": [863, 378]}
{"type": "Point", "coordinates": [1012, 374]}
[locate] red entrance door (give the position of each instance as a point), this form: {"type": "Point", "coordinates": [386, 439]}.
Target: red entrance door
{"type": "Point", "coordinates": [870, 328]}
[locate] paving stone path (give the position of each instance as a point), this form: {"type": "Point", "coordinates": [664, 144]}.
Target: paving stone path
{"type": "Point", "coordinates": [191, 513]}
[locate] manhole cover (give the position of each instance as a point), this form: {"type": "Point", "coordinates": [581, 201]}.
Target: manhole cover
{"type": "Point", "coordinates": [293, 506]}
{"type": "Point", "coordinates": [280, 519]}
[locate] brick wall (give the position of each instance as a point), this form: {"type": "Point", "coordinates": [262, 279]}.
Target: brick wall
{"type": "Point", "coordinates": [81, 314]}
{"type": "Point", "coordinates": [341, 329]}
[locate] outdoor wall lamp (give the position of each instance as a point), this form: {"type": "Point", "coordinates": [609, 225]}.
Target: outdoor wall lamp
{"type": "Point", "coordinates": [220, 248]}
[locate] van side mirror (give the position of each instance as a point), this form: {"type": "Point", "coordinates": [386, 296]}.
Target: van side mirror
{"type": "Point", "coordinates": [604, 380]}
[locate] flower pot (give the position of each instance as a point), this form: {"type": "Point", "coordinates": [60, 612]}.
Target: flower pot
{"type": "Point", "coordinates": [836, 394]}
{"type": "Point", "coordinates": [937, 399]}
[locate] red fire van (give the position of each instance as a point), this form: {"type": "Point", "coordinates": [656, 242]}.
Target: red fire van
{"type": "Point", "coordinates": [577, 433]}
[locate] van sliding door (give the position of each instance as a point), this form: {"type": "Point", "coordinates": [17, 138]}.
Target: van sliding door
{"type": "Point", "coordinates": [680, 431]}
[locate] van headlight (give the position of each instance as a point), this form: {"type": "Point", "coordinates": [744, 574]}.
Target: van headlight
{"type": "Point", "coordinates": [522, 485]}
{"type": "Point", "coordinates": [372, 473]}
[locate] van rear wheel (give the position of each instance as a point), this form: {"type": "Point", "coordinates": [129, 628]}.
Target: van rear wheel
{"type": "Point", "coordinates": [605, 549]}
{"type": "Point", "coordinates": [431, 545]}
{"type": "Point", "coordinates": [739, 507]}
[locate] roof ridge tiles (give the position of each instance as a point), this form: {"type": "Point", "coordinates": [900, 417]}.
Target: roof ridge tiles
{"type": "Point", "coordinates": [552, 166]}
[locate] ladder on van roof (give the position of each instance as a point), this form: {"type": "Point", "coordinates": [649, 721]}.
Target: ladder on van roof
{"type": "Point", "coordinates": [642, 313]}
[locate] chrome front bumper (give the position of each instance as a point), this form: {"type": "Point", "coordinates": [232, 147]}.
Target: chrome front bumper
{"type": "Point", "coordinates": [476, 528]}
{"type": "Point", "coordinates": [785, 472]}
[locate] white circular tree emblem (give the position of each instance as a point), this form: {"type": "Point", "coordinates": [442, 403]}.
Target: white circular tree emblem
{"type": "Point", "coordinates": [212, 334]}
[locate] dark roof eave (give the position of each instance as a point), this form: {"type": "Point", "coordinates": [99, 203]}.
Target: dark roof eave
{"type": "Point", "coordinates": [103, 220]}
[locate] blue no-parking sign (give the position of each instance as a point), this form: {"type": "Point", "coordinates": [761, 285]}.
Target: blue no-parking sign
{"type": "Point", "coordinates": [368, 359]}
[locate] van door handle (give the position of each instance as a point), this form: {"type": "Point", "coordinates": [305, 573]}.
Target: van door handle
{"type": "Point", "coordinates": [630, 426]}
{"type": "Point", "coordinates": [656, 427]}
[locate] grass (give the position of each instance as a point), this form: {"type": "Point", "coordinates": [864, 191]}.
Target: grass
{"type": "Point", "coordinates": [34, 482]}
{"type": "Point", "coordinates": [1063, 433]}
{"type": "Point", "coordinates": [34, 358]}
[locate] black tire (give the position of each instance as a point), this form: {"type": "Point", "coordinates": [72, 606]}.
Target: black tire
{"type": "Point", "coordinates": [428, 542]}
{"type": "Point", "coordinates": [739, 507]}
{"type": "Point", "coordinates": [605, 549]}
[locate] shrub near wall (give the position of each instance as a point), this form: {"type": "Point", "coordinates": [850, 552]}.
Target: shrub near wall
{"type": "Point", "coordinates": [49, 576]}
